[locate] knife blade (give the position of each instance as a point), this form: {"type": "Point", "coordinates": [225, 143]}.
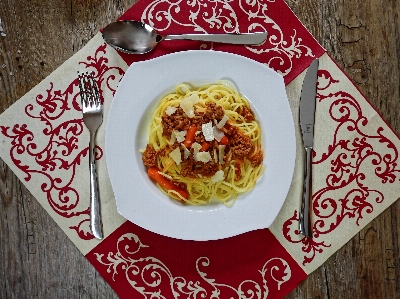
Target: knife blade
{"type": "Point", "coordinates": [307, 117]}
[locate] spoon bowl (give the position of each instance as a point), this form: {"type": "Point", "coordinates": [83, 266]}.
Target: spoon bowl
{"type": "Point", "coordinates": [134, 37]}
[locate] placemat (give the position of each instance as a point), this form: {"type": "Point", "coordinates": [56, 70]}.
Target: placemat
{"type": "Point", "coordinates": [44, 141]}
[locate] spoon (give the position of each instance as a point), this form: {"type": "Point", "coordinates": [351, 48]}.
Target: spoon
{"type": "Point", "coordinates": [134, 37]}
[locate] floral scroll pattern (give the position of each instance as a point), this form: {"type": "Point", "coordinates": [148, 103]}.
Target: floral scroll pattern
{"type": "Point", "coordinates": [150, 277]}
{"type": "Point", "coordinates": [53, 158]}
{"type": "Point", "coordinates": [228, 16]}
{"type": "Point", "coordinates": [361, 164]}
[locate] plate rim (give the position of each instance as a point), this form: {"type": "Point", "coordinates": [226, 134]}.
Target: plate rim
{"type": "Point", "coordinates": [193, 234]}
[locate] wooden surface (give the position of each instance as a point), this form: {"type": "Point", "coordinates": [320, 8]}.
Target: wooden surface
{"type": "Point", "coordinates": [37, 260]}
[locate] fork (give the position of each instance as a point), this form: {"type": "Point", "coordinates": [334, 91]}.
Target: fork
{"type": "Point", "coordinates": [92, 110]}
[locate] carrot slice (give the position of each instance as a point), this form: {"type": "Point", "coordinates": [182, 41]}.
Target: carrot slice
{"type": "Point", "coordinates": [205, 145]}
{"type": "Point", "coordinates": [224, 140]}
{"type": "Point", "coordinates": [165, 183]}
{"type": "Point", "coordinates": [190, 136]}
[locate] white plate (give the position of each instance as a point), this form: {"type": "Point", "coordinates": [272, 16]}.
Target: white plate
{"type": "Point", "coordinates": [138, 198]}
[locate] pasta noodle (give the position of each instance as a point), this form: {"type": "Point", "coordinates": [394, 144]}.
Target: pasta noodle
{"type": "Point", "coordinates": [219, 167]}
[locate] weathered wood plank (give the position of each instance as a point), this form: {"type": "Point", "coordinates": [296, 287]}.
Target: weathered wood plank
{"type": "Point", "coordinates": [38, 260]}
{"type": "Point", "coordinates": [363, 38]}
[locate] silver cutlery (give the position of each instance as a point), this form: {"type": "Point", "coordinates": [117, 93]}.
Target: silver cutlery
{"type": "Point", "coordinates": [134, 37]}
{"type": "Point", "coordinates": [307, 115]}
{"type": "Point", "coordinates": [92, 110]}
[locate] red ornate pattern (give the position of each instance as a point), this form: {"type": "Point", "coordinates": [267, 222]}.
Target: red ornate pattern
{"type": "Point", "coordinates": [289, 48]}
{"type": "Point", "coordinates": [54, 157]}
{"type": "Point", "coordinates": [356, 155]}
{"type": "Point", "coordinates": [139, 263]}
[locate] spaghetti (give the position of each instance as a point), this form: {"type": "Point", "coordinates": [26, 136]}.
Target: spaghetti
{"type": "Point", "coordinates": [204, 144]}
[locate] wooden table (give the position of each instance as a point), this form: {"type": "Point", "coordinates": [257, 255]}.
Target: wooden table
{"type": "Point", "coordinates": [37, 260]}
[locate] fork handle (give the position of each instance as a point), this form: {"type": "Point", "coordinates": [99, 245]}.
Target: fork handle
{"type": "Point", "coordinates": [95, 217]}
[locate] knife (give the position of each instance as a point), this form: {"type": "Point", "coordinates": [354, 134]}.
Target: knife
{"type": "Point", "coordinates": [307, 114]}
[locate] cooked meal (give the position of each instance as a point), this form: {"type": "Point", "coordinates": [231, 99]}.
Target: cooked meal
{"type": "Point", "coordinates": [204, 143]}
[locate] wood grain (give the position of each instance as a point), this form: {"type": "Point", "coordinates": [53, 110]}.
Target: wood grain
{"type": "Point", "coordinates": [38, 260]}
{"type": "Point", "coordinates": [363, 38]}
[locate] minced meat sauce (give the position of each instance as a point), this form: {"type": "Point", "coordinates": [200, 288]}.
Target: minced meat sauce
{"type": "Point", "coordinates": [238, 148]}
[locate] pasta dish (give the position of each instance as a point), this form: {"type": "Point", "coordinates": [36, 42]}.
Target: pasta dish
{"type": "Point", "coordinates": [204, 143]}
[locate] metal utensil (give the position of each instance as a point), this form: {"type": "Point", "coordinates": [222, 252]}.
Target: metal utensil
{"type": "Point", "coordinates": [307, 114]}
{"type": "Point", "coordinates": [135, 37]}
{"type": "Point", "coordinates": [92, 110]}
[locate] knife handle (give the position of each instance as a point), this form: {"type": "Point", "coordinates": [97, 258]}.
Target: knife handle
{"type": "Point", "coordinates": [306, 204]}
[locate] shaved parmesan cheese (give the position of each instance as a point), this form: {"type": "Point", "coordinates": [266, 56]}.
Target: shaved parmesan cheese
{"type": "Point", "coordinates": [203, 157]}
{"type": "Point", "coordinates": [196, 148]}
{"type": "Point", "coordinates": [218, 176]}
{"type": "Point", "coordinates": [165, 175]}
{"type": "Point", "coordinates": [194, 98]}
{"type": "Point", "coordinates": [173, 138]}
{"type": "Point", "coordinates": [218, 134]}
{"type": "Point", "coordinates": [188, 108]}
{"type": "Point", "coordinates": [221, 153]}
{"type": "Point", "coordinates": [170, 110]}
{"type": "Point", "coordinates": [177, 194]}
{"type": "Point", "coordinates": [180, 135]}
{"type": "Point", "coordinates": [222, 122]}
{"type": "Point", "coordinates": [208, 131]}
{"type": "Point", "coordinates": [176, 155]}
{"type": "Point", "coordinates": [187, 104]}
{"type": "Point", "coordinates": [186, 152]}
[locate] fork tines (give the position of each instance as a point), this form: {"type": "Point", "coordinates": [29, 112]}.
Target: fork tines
{"type": "Point", "coordinates": [88, 89]}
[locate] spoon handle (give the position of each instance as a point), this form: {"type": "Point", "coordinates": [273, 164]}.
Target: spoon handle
{"type": "Point", "coordinates": [227, 38]}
